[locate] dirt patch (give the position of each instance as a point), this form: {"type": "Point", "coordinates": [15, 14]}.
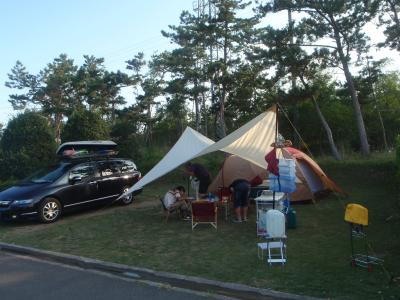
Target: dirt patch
{"type": "Point", "coordinates": [31, 226]}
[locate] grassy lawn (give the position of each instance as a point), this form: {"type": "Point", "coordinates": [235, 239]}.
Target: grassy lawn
{"type": "Point", "coordinates": [318, 250]}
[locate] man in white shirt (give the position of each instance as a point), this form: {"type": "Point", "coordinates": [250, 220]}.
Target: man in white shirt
{"type": "Point", "coordinates": [176, 198]}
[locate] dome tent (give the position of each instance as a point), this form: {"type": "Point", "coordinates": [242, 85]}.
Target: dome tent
{"type": "Point", "coordinates": [311, 181]}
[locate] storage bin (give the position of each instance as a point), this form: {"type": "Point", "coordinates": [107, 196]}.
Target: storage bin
{"type": "Point", "coordinates": [287, 167]}
{"type": "Point", "coordinates": [282, 183]}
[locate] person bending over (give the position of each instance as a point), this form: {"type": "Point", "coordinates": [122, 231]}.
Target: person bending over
{"type": "Point", "coordinates": [241, 191]}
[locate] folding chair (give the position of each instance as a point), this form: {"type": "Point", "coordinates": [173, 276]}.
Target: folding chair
{"type": "Point", "coordinates": [168, 211]}
{"type": "Point", "coordinates": [204, 212]}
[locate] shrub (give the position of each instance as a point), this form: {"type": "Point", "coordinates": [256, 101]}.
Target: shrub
{"type": "Point", "coordinates": [28, 143]}
{"type": "Point", "coordinates": [398, 156]}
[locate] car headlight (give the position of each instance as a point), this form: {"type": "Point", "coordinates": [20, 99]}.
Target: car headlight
{"type": "Point", "coordinates": [24, 201]}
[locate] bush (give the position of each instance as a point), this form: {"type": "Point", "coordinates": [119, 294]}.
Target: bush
{"type": "Point", "coordinates": [28, 143]}
{"type": "Point", "coordinates": [398, 156]}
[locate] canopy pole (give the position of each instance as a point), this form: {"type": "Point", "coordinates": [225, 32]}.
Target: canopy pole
{"type": "Point", "coordinates": [297, 132]}
{"type": "Point", "coordinates": [275, 144]}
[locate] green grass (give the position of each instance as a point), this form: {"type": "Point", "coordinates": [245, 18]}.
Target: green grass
{"type": "Point", "coordinates": [318, 250]}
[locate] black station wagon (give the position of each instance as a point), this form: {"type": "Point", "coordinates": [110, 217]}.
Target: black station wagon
{"type": "Point", "coordinates": [72, 183]}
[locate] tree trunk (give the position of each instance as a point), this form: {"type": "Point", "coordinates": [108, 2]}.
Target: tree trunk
{"type": "Point", "coordinates": [356, 105]}
{"type": "Point", "coordinates": [57, 123]}
{"type": "Point", "coordinates": [196, 106]}
{"type": "Point", "coordinates": [204, 114]}
{"type": "Point", "coordinates": [395, 18]}
{"type": "Point", "coordinates": [383, 129]}
{"type": "Point", "coordinates": [328, 130]}
{"type": "Point", "coordinates": [149, 126]}
{"type": "Point", "coordinates": [296, 117]}
{"type": "Point", "coordinates": [380, 119]}
{"type": "Point", "coordinates": [221, 128]}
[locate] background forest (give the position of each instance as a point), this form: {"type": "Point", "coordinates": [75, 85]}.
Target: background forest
{"type": "Point", "coordinates": [224, 70]}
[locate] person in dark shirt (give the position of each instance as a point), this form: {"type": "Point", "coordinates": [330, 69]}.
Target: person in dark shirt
{"type": "Point", "coordinates": [201, 173]}
{"type": "Point", "coordinates": [241, 191]}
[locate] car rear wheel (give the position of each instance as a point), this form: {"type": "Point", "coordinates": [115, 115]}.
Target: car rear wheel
{"type": "Point", "coordinates": [127, 199]}
{"type": "Point", "coordinates": [49, 210]}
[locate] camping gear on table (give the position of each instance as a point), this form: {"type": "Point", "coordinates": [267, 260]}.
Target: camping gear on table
{"type": "Point", "coordinates": [264, 203]}
{"type": "Point", "coordinates": [357, 216]}
{"type": "Point", "coordinates": [275, 244]}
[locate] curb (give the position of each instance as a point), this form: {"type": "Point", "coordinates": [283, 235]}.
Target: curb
{"type": "Point", "coordinates": [235, 290]}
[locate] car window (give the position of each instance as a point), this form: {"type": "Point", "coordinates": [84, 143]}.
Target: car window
{"type": "Point", "coordinates": [84, 171]}
{"type": "Point", "coordinates": [48, 174]}
{"type": "Point", "coordinates": [127, 166]}
{"type": "Point", "coordinates": [108, 168]}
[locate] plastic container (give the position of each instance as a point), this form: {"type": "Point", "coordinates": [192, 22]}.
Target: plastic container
{"type": "Point", "coordinates": [275, 223]}
{"type": "Point", "coordinates": [285, 184]}
{"type": "Point", "coordinates": [287, 167]}
{"type": "Point", "coordinates": [357, 214]}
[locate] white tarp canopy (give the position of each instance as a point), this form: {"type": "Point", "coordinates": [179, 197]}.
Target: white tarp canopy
{"type": "Point", "coordinates": [251, 142]}
{"type": "Point", "coordinates": [189, 145]}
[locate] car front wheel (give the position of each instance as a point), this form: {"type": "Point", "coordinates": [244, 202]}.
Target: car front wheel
{"type": "Point", "coordinates": [127, 199]}
{"type": "Point", "coordinates": [49, 210]}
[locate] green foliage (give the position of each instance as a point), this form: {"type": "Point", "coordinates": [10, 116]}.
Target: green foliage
{"type": "Point", "coordinates": [129, 142]}
{"type": "Point", "coordinates": [28, 143]}
{"type": "Point", "coordinates": [398, 157]}
{"type": "Point", "coordinates": [85, 125]}
{"type": "Point", "coordinates": [6, 184]}
{"type": "Point", "coordinates": [389, 18]}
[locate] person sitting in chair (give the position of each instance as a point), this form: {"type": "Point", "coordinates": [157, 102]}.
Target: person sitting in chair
{"type": "Point", "coordinates": [176, 198]}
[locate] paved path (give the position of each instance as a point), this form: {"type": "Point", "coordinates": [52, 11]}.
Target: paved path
{"type": "Point", "coordinates": [23, 278]}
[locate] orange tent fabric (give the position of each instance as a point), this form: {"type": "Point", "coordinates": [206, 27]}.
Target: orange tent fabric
{"type": "Point", "coordinates": [311, 181]}
{"type": "Point", "coordinates": [300, 156]}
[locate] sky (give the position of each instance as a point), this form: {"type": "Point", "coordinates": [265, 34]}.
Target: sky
{"type": "Point", "coordinates": [36, 32]}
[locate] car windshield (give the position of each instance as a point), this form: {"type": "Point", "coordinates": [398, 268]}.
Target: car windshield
{"type": "Point", "coordinates": [48, 174]}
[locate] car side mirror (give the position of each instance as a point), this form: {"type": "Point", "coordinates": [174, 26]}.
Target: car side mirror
{"type": "Point", "coordinates": [75, 179]}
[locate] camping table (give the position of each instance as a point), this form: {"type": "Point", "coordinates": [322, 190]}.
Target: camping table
{"type": "Point", "coordinates": [264, 202]}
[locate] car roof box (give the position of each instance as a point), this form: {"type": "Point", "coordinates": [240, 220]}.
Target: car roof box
{"type": "Point", "coordinates": [87, 148]}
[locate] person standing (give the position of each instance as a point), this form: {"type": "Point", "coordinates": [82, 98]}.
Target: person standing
{"type": "Point", "coordinates": [241, 190]}
{"type": "Point", "coordinates": [202, 175]}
